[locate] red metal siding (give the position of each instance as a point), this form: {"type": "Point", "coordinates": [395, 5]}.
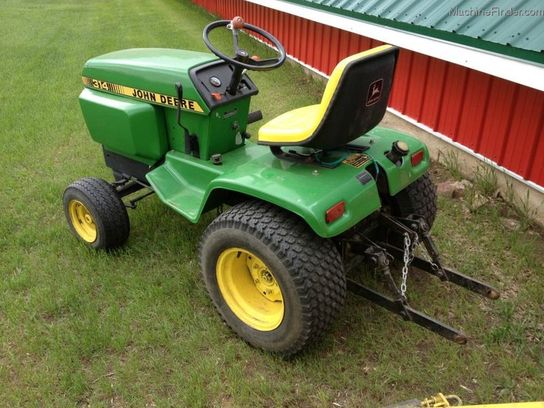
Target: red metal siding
{"type": "Point", "coordinates": [536, 171]}
{"type": "Point", "coordinates": [498, 110]}
{"type": "Point", "coordinates": [432, 104]}
{"type": "Point", "coordinates": [477, 91]}
{"type": "Point", "coordinates": [452, 100]}
{"type": "Point", "coordinates": [415, 94]}
{"type": "Point", "coordinates": [499, 119]}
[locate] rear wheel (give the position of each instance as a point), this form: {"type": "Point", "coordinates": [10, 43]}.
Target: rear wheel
{"type": "Point", "coordinates": [273, 281]}
{"type": "Point", "coordinates": [418, 198]}
{"type": "Point", "coordinates": [96, 214]}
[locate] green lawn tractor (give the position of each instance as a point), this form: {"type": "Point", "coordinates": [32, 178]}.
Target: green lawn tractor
{"type": "Point", "coordinates": [321, 190]}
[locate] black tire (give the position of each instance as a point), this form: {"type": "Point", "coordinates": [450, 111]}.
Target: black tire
{"type": "Point", "coordinates": [307, 268]}
{"type": "Point", "coordinates": [106, 224]}
{"type": "Point", "coordinates": [418, 198]}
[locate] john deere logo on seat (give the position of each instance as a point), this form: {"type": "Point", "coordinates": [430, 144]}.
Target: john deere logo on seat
{"type": "Point", "coordinates": [374, 92]}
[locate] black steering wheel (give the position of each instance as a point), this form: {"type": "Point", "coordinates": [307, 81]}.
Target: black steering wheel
{"type": "Point", "coordinates": [241, 59]}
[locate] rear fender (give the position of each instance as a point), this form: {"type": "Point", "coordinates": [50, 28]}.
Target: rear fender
{"type": "Point", "coordinates": [314, 215]}
{"type": "Point", "coordinates": [398, 177]}
{"type": "Point", "coordinates": [190, 186]}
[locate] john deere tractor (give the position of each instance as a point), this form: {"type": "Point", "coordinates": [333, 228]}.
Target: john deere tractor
{"type": "Point", "coordinates": [320, 191]}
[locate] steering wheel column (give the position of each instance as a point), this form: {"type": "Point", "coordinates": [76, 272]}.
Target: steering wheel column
{"type": "Point", "coordinates": [241, 56]}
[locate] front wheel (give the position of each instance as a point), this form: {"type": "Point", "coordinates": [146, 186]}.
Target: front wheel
{"type": "Point", "coordinates": [273, 281]}
{"type": "Point", "coordinates": [95, 213]}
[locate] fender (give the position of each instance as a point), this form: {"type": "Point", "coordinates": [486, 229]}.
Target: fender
{"type": "Point", "coordinates": [307, 190]}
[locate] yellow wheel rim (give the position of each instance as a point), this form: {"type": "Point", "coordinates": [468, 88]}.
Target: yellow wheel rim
{"type": "Point", "coordinates": [82, 220]}
{"type": "Point", "coordinates": [250, 289]}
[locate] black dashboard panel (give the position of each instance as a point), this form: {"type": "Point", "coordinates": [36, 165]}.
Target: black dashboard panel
{"type": "Point", "coordinates": [214, 78]}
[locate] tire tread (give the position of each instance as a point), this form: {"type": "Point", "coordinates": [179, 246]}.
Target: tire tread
{"type": "Point", "coordinates": [418, 198]}
{"type": "Point", "coordinates": [109, 208]}
{"type": "Point", "coordinates": [314, 263]}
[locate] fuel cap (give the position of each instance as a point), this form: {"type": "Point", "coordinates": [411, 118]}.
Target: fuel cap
{"type": "Point", "coordinates": [401, 147]}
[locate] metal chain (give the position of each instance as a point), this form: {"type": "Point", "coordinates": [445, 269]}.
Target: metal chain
{"type": "Point", "coordinates": [406, 259]}
{"type": "Point", "coordinates": [428, 258]}
{"type": "Point", "coordinates": [408, 256]}
{"type": "Point", "coordinates": [413, 248]}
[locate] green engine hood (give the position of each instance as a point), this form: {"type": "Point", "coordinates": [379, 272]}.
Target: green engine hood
{"type": "Point", "coordinates": [151, 70]}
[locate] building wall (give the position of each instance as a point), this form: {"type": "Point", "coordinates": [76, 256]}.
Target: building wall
{"type": "Point", "coordinates": [498, 119]}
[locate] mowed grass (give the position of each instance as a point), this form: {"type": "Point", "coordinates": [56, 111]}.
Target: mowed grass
{"type": "Point", "coordinates": [136, 328]}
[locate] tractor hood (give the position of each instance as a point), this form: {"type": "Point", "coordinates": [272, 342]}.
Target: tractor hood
{"type": "Point", "coordinates": [147, 73]}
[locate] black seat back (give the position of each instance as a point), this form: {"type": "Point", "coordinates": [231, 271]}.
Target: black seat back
{"type": "Point", "coordinates": [359, 100]}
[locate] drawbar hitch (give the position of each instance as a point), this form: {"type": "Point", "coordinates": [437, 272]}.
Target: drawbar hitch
{"type": "Point", "coordinates": [412, 230]}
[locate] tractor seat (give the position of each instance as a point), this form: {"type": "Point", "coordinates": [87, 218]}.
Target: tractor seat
{"type": "Point", "coordinates": [354, 101]}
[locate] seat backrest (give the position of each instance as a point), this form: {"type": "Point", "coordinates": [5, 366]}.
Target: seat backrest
{"type": "Point", "coordinates": [355, 98]}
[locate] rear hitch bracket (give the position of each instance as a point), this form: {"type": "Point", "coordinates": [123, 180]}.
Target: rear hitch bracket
{"type": "Point", "coordinates": [381, 253]}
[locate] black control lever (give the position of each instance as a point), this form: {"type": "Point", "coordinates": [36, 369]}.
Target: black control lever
{"type": "Point", "coordinates": [179, 94]}
{"type": "Point", "coordinates": [191, 141]}
{"type": "Point", "coordinates": [254, 117]}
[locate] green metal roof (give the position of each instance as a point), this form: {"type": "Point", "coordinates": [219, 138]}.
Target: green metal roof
{"type": "Point", "coordinates": [510, 27]}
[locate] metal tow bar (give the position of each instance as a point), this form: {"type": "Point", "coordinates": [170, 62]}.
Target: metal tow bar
{"type": "Point", "coordinates": [414, 230]}
{"type": "Point", "coordinates": [411, 314]}
{"type": "Point", "coordinates": [450, 275]}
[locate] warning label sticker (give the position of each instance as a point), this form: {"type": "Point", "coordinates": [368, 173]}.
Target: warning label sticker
{"type": "Point", "coordinates": [357, 160]}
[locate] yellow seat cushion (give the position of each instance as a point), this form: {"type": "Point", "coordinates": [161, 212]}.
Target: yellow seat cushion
{"type": "Point", "coordinates": [299, 125]}
{"type": "Point", "coordinates": [293, 126]}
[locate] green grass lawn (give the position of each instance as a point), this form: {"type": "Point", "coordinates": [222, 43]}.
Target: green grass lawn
{"type": "Point", "coordinates": [136, 328]}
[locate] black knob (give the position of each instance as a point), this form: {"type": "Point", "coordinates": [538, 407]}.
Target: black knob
{"type": "Point", "coordinates": [217, 159]}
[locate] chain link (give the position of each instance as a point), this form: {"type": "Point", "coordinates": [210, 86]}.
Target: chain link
{"type": "Point", "coordinates": [413, 248]}
{"type": "Point", "coordinates": [408, 256]}
{"type": "Point", "coordinates": [406, 259]}
{"type": "Point", "coordinates": [428, 258]}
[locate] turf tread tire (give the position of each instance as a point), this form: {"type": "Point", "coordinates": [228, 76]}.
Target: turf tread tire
{"type": "Point", "coordinates": [313, 263]}
{"type": "Point", "coordinates": [418, 198]}
{"type": "Point", "coordinates": [106, 207]}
